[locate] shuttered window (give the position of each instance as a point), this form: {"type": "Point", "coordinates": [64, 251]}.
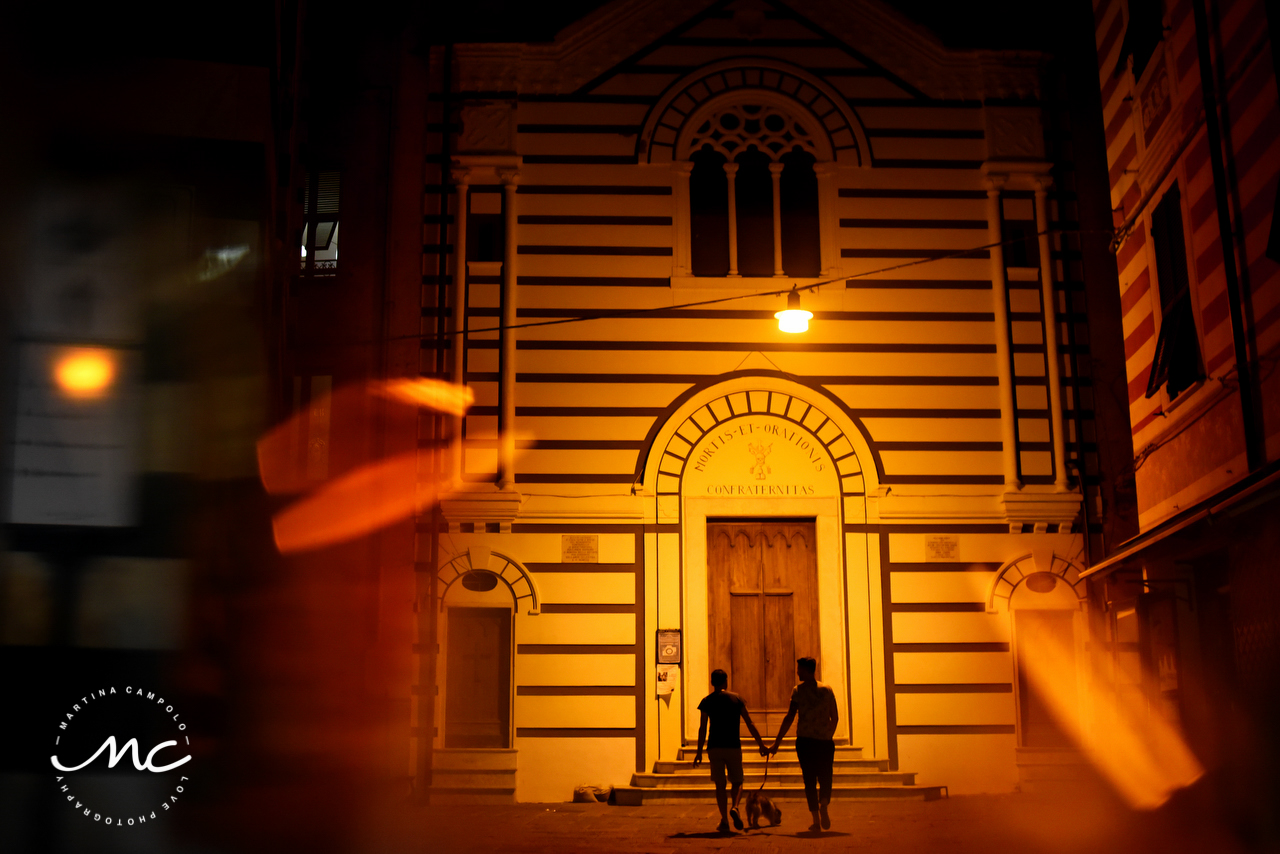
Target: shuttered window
{"type": "Point", "coordinates": [1177, 362]}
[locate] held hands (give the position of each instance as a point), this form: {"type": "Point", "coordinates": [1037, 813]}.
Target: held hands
{"type": "Point", "coordinates": [773, 751]}
{"type": "Point", "coordinates": [764, 751]}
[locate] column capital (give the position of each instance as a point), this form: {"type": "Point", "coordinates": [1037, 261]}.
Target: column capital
{"type": "Point", "coordinates": [682, 167]}
{"type": "Point", "coordinates": [509, 177]}
{"type": "Point", "coordinates": [1042, 183]}
{"type": "Point", "coordinates": [730, 168]}
{"type": "Point", "coordinates": [827, 167]}
{"type": "Point", "coordinates": [460, 176]}
{"type": "Point", "coordinates": [776, 168]}
{"type": "Point", "coordinates": [994, 182]}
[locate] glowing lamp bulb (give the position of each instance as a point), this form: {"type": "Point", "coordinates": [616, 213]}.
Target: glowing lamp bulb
{"type": "Point", "coordinates": [793, 318]}
{"type": "Point", "coordinates": [84, 373]}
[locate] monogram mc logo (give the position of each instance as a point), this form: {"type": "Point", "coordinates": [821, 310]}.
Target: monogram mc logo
{"type": "Point", "coordinates": [91, 728]}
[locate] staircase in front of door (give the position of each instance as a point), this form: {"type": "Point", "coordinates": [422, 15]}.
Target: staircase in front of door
{"type": "Point", "coordinates": [855, 778]}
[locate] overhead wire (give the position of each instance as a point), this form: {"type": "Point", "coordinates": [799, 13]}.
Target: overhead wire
{"type": "Point", "coordinates": [637, 312]}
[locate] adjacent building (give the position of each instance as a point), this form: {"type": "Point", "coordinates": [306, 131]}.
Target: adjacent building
{"type": "Point", "coordinates": [1186, 611]}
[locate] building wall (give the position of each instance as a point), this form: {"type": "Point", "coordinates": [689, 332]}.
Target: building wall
{"type": "Point", "coordinates": [906, 360]}
{"type": "Point", "coordinates": [1188, 448]}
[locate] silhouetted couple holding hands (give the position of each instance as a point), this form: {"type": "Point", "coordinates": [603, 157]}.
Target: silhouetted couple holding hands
{"type": "Point", "coordinates": [813, 702]}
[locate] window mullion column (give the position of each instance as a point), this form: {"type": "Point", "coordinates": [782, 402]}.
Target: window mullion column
{"type": "Point", "coordinates": [461, 181]}
{"type": "Point", "coordinates": [681, 170]}
{"type": "Point", "coordinates": [775, 170]}
{"type": "Point", "coordinates": [731, 170]}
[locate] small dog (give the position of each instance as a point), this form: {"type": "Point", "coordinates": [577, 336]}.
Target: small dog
{"type": "Point", "coordinates": [758, 804]}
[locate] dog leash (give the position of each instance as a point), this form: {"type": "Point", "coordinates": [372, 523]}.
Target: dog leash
{"type": "Point", "coordinates": [767, 757]}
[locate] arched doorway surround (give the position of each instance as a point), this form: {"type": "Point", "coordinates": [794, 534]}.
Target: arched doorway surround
{"type": "Point", "coordinates": [1044, 599]}
{"type": "Point", "coordinates": [761, 447]}
{"type": "Point", "coordinates": [517, 580]}
{"type": "Point", "coordinates": [479, 593]}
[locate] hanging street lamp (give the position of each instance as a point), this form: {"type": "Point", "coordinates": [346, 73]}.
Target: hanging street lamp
{"type": "Point", "coordinates": [793, 318]}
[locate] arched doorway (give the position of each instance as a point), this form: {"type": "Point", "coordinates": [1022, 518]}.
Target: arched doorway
{"type": "Point", "coordinates": [1044, 597]}
{"type": "Point", "coordinates": [776, 468]}
{"type": "Point", "coordinates": [480, 591]}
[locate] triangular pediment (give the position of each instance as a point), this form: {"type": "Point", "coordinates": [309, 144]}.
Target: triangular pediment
{"type": "Point", "coordinates": [629, 45]}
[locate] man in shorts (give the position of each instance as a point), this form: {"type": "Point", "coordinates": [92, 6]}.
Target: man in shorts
{"type": "Point", "coordinates": [722, 709]}
{"type": "Point", "coordinates": [815, 703]}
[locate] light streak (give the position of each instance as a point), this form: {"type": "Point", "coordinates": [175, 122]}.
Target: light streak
{"type": "Point", "coordinates": [1130, 744]}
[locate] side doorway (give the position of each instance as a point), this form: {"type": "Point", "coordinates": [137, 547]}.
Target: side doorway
{"type": "Point", "coordinates": [477, 709]}
{"type": "Point", "coordinates": [762, 587]}
{"type": "Point", "coordinates": [1040, 629]}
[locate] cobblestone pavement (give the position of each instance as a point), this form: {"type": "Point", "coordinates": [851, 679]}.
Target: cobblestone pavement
{"type": "Point", "coordinates": [990, 824]}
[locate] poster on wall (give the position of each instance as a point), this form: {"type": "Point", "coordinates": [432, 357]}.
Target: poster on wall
{"type": "Point", "coordinates": [668, 676]}
{"type": "Point", "coordinates": [668, 646]}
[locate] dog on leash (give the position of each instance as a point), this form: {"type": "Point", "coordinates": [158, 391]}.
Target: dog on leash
{"type": "Point", "coordinates": [758, 805]}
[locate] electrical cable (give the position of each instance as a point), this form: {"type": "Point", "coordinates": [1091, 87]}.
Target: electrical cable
{"type": "Point", "coordinates": [636, 312]}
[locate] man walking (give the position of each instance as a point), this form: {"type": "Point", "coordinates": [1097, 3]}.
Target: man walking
{"type": "Point", "coordinates": [815, 703]}
{"type": "Point", "coordinates": [722, 709]}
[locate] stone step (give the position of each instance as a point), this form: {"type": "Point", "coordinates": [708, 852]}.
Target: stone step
{"type": "Point", "coordinates": [787, 750]}
{"type": "Point", "coordinates": [754, 763]}
{"type": "Point", "coordinates": [784, 780]}
{"type": "Point", "coordinates": [634, 796]}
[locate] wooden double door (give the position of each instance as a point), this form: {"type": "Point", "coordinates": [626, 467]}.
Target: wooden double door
{"type": "Point", "coordinates": [762, 579]}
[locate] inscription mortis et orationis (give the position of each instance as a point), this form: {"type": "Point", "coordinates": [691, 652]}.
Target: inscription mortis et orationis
{"type": "Point", "coordinates": [759, 456]}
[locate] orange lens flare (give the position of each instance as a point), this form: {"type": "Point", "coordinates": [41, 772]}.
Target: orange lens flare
{"type": "Point", "coordinates": [1134, 747]}
{"type": "Point", "coordinates": [433, 394]}
{"type": "Point", "coordinates": [280, 450]}
{"type": "Point", "coordinates": [355, 504]}
{"type": "Point", "coordinates": [85, 373]}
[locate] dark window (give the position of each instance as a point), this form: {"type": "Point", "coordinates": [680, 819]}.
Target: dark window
{"type": "Point", "coordinates": [1142, 35]}
{"type": "Point", "coordinates": [1177, 359]}
{"type": "Point", "coordinates": [1021, 243]}
{"type": "Point", "coordinates": [486, 227]}
{"type": "Point", "coordinates": [709, 214]}
{"type": "Point", "coordinates": [753, 185]}
{"type": "Point", "coordinates": [755, 213]}
{"type": "Point", "coordinates": [320, 206]}
{"type": "Point", "coordinates": [801, 253]}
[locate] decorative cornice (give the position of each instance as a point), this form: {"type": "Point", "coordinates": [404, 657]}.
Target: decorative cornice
{"type": "Point", "coordinates": [919, 58]}
{"type": "Point", "coordinates": [600, 41]}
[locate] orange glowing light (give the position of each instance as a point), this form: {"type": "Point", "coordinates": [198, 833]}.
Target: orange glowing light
{"type": "Point", "coordinates": [1142, 754]}
{"type": "Point", "coordinates": [85, 373]}
{"type": "Point", "coordinates": [434, 394]}
{"type": "Point", "coordinates": [355, 504]}
{"type": "Point", "coordinates": [279, 450]}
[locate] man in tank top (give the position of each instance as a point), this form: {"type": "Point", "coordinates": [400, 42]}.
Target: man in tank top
{"type": "Point", "coordinates": [815, 704]}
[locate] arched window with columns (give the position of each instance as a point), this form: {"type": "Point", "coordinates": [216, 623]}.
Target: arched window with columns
{"type": "Point", "coordinates": [754, 146]}
{"type": "Point", "coordinates": [753, 198]}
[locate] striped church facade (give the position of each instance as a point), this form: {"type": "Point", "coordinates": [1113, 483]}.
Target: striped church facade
{"type": "Point", "coordinates": [934, 424]}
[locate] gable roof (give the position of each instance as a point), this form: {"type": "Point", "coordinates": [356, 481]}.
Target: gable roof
{"type": "Point", "coordinates": [619, 35]}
